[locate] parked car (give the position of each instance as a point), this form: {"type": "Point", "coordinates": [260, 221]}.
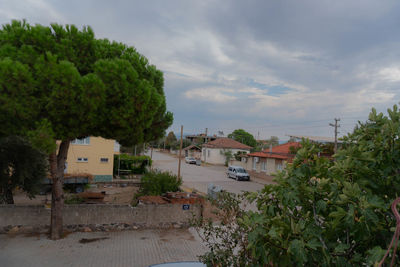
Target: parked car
{"type": "Point", "coordinates": [238, 173]}
{"type": "Point", "coordinates": [190, 160]}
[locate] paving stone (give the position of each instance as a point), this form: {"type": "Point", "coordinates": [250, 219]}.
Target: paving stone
{"type": "Point", "coordinates": [127, 248]}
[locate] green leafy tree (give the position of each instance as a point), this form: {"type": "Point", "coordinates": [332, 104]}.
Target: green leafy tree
{"type": "Point", "coordinates": [170, 140]}
{"type": "Point", "coordinates": [321, 212]}
{"type": "Point", "coordinates": [266, 144]}
{"type": "Point", "coordinates": [61, 83]}
{"type": "Point", "coordinates": [227, 153]}
{"type": "Point", "coordinates": [21, 166]}
{"type": "Point", "coordinates": [243, 137]}
{"type": "Point", "coordinates": [199, 140]}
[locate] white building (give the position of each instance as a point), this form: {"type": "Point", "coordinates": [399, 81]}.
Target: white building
{"type": "Point", "coordinates": [214, 152]}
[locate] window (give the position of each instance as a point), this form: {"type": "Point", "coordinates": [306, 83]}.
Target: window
{"type": "Point", "coordinates": [208, 153]}
{"type": "Point", "coordinates": [263, 165]}
{"type": "Point", "coordinates": [117, 146]}
{"type": "Point", "coordinates": [254, 163]}
{"type": "Point", "coordinates": [83, 141]}
{"type": "Point", "coordinates": [279, 167]}
{"type": "Point", "coordinates": [104, 160]}
{"type": "Point", "coordinates": [82, 160]}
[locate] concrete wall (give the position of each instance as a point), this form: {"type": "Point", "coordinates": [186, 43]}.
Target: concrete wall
{"type": "Point", "coordinates": [146, 215]}
{"type": "Point", "coordinates": [97, 148]}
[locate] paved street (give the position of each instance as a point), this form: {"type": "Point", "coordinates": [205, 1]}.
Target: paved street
{"type": "Point", "coordinates": [128, 248]}
{"type": "Point", "coordinates": [199, 177]}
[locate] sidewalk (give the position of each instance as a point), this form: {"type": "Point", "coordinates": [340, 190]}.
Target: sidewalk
{"type": "Point", "coordinates": [127, 248]}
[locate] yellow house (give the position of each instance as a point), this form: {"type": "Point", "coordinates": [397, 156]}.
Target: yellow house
{"type": "Point", "coordinates": [94, 155]}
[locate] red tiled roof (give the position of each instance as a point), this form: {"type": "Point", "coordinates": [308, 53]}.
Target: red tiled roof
{"type": "Point", "coordinates": [284, 148]}
{"type": "Point", "coordinates": [267, 155]}
{"type": "Point", "coordinates": [278, 152]}
{"type": "Point", "coordinates": [226, 143]}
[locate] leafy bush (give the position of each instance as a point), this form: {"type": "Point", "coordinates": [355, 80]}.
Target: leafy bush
{"type": "Point", "coordinates": [155, 183]}
{"type": "Point", "coordinates": [135, 164]}
{"type": "Point", "coordinates": [321, 212]}
{"type": "Point", "coordinates": [73, 199]}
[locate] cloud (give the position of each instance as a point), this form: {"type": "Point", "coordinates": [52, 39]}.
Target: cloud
{"type": "Point", "coordinates": [217, 95]}
{"type": "Point", "coordinates": [390, 74]}
{"type": "Point", "coordinates": [251, 63]}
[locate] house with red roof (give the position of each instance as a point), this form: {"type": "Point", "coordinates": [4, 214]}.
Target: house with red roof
{"type": "Point", "coordinates": [214, 152]}
{"type": "Point", "coordinates": [192, 151]}
{"type": "Point", "coordinates": [271, 160]}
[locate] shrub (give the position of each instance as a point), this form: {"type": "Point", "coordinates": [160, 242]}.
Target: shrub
{"type": "Point", "coordinates": [320, 212]}
{"type": "Point", "coordinates": [155, 183]}
{"type": "Point", "coordinates": [135, 164]}
{"type": "Point", "coordinates": [73, 199]}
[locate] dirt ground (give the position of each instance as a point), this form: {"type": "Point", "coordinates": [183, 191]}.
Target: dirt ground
{"type": "Point", "coordinates": [114, 195]}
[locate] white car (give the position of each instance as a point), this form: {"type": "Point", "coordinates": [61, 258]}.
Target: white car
{"type": "Point", "coordinates": [238, 173]}
{"type": "Point", "coordinates": [190, 160]}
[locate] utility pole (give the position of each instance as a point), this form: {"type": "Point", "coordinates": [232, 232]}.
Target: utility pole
{"type": "Point", "coordinates": [151, 156]}
{"type": "Point", "coordinates": [180, 153]}
{"type": "Point", "coordinates": [336, 125]}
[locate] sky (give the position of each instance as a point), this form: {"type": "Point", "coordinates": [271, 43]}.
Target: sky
{"type": "Point", "coordinates": [270, 67]}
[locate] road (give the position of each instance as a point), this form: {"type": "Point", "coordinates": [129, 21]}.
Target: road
{"type": "Point", "coordinates": [198, 177]}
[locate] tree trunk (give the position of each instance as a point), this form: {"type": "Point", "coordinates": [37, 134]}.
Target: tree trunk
{"type": "Point", "coordinates": [6, 195]}
{"type": "Point", "coordinates": [9, 196]}
{"type": "Point", "coordinates": [57, 163]}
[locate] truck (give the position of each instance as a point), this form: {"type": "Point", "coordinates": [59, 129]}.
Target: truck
{"type": "Point", "coordinates": [75, 182]}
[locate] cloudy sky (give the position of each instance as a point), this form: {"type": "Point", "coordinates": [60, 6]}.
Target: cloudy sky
{"type": "Point", "coordinates": [270, 67]}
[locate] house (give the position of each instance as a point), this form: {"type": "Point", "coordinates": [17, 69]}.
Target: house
{"type": "Point", "coordinates": [215, 151]}
{"type": "Point", "coordinates": [192, 151]}
{"type": "Point", "coordinates": [271, 160]}
{"type": "Point", "coordinates": [93, 155]}
{"type": "Point", "coordinates": [200, 138]}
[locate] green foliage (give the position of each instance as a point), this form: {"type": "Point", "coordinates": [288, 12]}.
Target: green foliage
{"type": "Point", "coordinates": [238, 155]}
{"type": "Point", "coordinates": [227, 239]}
{"type": "Point", "coordinates": [227, 153]}
{"type": "Point", "coordinates": [136, 164]}
{"type": "Point", "coordinates": [156, 183]}
{"type": "Point", "coordinates": [61, 83]}
{"type": "Point", "coordinates": [170, 140]}
{"type": "Point", "coordinates": [73, 199]}
{"type": "Point", "coordinates": [243, 137]}
{"type": "Point", "coordinates": [323, 212]}
{"type": "Point", "coordinates": [20, 165]}
{"type": "Point", "coordinates": [265, 144]}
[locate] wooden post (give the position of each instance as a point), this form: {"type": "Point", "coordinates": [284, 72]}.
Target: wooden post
{"type": "Point", "coordinates": [336, 133]}
{"type": "Point", "coordinates": [180, 153]}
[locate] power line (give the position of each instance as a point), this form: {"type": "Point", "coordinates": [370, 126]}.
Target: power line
{"type": "Point", "coordinates": [286, 126]}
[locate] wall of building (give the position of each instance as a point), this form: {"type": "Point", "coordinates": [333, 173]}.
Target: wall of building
{"type": "Point", "coordinates": [144, 215]}
{"type": "Point", "coordinates": [214, 156]}
{"type": "Point", "coordinates": [96, 149]}
{"type": "Point", "coordinates": [193, 153]}
{"type": "Point", "coordinates": [271, 167]}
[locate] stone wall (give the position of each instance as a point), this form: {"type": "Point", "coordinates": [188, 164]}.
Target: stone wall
{"type": "Point", "coordinates": [141, 216]}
